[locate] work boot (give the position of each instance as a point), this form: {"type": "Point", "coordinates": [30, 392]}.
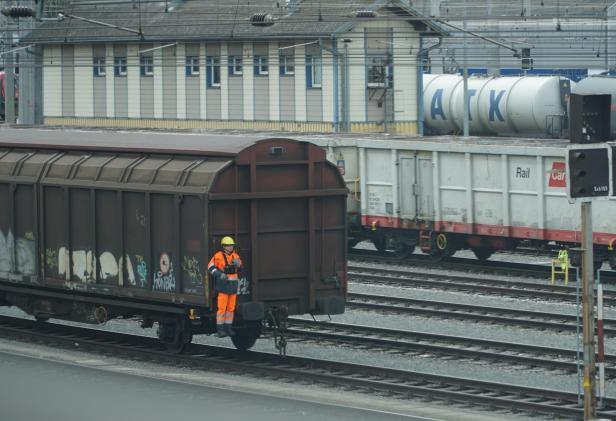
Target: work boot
{"type": "Point", "coordinates": [229, 330]}
{"type": "Point", "coordinates": [221, 331]}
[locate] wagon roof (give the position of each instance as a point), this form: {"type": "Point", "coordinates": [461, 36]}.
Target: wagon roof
{"type": "Point", "coordinates": [212, 144]}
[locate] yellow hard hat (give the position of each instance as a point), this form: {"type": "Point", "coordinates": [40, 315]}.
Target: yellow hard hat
{"type": "Point", "coordinates": [227, 241]}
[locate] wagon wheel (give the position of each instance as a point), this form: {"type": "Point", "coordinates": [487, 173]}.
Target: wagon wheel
{"type": "Point", "coordinates": [483, 253]}
{"type": "Point", "coordinates": [175, 335]}
{"type": "Point", "coordinates": [403, 250]}
{"type": "Point", "coordinates": [441, 247]}
{"type": "Point", "coordinates": [246, 337]}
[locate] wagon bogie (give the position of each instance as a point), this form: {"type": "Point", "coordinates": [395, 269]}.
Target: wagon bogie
{"type": "Point", "coordinates": [401, 243]}
{"type": "Point", "coordinates": [175, 333]}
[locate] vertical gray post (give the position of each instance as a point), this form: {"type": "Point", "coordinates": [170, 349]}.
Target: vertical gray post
{"type": "Point", "coordinates": [588, 325]}
{"type": "Point", "coordinates": [465, 80]}
{"type": "Point", "coordinates": [9, 79]}
{"type": "Point", "coordinates": [30, 87]}
{"type": "Point", "coordinates": [578, 351]}
{"type": "Point", "coordinates": [346, 87]}
{"type": "Point", "coordinates": [31, 73]}
{"type": "Point", "coordinates": [606, 52]}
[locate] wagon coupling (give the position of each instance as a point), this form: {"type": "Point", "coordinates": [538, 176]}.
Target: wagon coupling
{"type": "Point", "coordinates": [277, 320]}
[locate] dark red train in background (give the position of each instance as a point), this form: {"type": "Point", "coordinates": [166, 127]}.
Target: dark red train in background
{"type": "Point", "coordinates": [100, 225]}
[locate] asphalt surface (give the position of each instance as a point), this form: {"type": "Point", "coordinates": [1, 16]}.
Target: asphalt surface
{"type": "Point", "coordinates": [39, 389]}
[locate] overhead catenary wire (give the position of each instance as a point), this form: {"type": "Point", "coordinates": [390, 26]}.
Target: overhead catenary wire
{"type": "Point", "coordinates": [583, 25]}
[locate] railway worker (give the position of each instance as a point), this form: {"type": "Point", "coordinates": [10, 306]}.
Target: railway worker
{"type": "Point", "coordinates": [563, 257]}
{"type": "Point", "coordinates": [225, 267]}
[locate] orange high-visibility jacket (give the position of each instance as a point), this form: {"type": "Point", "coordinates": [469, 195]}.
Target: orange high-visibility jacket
{"type": "Point", "coordinates": [223, 262]}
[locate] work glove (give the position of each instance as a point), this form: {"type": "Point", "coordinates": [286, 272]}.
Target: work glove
{"type": "Point", "coordinates": [237, 262]}
{"type": "Point", "coordinates": [222, 277]}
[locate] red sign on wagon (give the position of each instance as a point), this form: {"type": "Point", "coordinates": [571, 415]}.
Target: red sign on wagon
{"type": "Point", "coordinates": [558, 175]}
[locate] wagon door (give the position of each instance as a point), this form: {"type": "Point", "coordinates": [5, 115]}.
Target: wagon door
{"type": "Point", "coordinates": [425, 190]}
{"type": "Point", "coordinates": [407, 183]}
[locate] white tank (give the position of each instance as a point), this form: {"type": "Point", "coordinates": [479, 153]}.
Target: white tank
{"type": "Point", "coordinates": [438, 92]}
{"type": "Point", "coordinates": [528, 105]}
{"type": "Point", "coordinates": [600, 85]}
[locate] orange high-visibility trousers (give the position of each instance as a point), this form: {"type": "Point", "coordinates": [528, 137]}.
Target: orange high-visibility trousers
{"type": "Point", "coordinates": [226, 308]}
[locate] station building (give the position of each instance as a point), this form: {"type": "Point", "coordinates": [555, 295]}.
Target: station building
{"type": "Point", "coordinates": [301, 65]}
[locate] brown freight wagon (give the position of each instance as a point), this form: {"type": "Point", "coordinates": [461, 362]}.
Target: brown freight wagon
{"type": "Point", "coordinates": [98, 225]}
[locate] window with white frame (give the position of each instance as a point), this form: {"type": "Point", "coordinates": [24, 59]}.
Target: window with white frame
{"type": "Point", "coordinates": [212, 70]}
{"type": "Point", "coordinates": [379, 72]}
{"type": "Point", "coordinates": [235, 65]}
{"type": "Point", "coordinates": [314, 71]}
{"type": "Point", "coordinates": [146, 64]}
{"type": "Point", "coordinates": [192, 65]}
{"type": "Point", "coordinates": [119, 66]}
{"type": "Point", "coordinates": [261, 65]}
{"type": "Point", "coordinates": [99, 66]}
{"type": "Point", "coordinates": [287, 65]}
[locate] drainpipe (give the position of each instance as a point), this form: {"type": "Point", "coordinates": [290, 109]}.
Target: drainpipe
{"type": "Point", "coordinates": [423, 52]}
{"type": "Point", "coordinates": [346, 90]}
{"type": "Point", "coordinates": [336, 58]}
{"type": "Point", "coordinates": [345, 126]}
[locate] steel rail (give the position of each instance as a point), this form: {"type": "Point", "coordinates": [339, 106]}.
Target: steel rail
{"type": "Point", "coordinates": [467, 283]}
{"type": "Point", "coordinates": [371, 379]}
{"type": "Point", "coordinates": [505, 316]}
{"type": "Point", "coordinates": [414, 342]}
{"type": "Point", "coordinates": [467, 264]}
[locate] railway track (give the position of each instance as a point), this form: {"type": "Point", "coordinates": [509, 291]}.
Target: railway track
{"type": "Point", "coordinates": [395, 383]}
{"type": "Point", "coordinates": [554, 322]}
{"type": "Point", "coordinates": [469, 283]}
{"type": "Point", "coordinates": [467, 265]}
{"type": "Point", "coordinates": [421, 343]}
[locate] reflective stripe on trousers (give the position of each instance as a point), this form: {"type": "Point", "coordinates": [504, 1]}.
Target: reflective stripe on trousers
{"type": "Point", "coordinates": [226, 308]}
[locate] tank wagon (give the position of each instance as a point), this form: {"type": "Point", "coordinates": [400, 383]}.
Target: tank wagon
{"type": "Point", "coordinates": [449, 193]}
{"type": "Point", "coordinates": [534, 106]}
{"type": "Point", "coordinates": [95, 226]}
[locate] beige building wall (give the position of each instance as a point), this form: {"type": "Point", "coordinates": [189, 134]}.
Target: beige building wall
{"type": "Point", "coordinates": [110, 83]}
{"type": "Point", "coordinates": [133, 76]}
{"type": "Point", "coordinates": [300, 81]}
{"type": "Point", "coordinates": [180, 74]}
{"type": "Point", "coordinates": [84, 81]}
{"type": "Point", "coordinates": [274, 82]}
{"type": "Point", "coordinates": [405, 73]}
{"type": "Point", "coordinates": [52, 81]}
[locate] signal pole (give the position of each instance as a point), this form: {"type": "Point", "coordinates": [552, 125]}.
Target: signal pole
{"type": "Point", "coordinates": [465, 75]}
{"type": "Point", "coordinates": [9, 78]}
{"type": "Point", "coordinates": [588, 313]}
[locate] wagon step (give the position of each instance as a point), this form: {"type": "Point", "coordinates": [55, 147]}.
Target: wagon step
{"type": "Point", "coordinates": [425, 241]}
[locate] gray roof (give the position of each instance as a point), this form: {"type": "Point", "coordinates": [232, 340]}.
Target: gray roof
{"type": "Point", "coordinates": [129, 141]}
{"type": "Point", "coordinates": [218, 19]}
